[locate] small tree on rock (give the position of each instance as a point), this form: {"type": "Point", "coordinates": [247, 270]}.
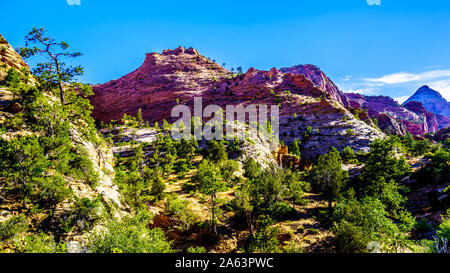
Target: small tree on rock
{"type": "Point", "coordinates": [55, 72]}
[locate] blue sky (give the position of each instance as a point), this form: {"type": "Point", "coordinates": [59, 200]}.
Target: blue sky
{"type": "Point", "coordinates": [388, 49]}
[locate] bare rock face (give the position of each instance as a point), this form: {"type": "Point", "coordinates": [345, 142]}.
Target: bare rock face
{"type": "Point", "coordinates": [394, 118]}
{"type": "Point", "coordinates": [304, 107]}
{"type": "Point", "coordinates": [177, 76]}
{"type": "Point", "coordinates": [320, 80]}
{"type": "Point", "coordinates": [103, 162]}
{"type": "Point", "coordinates": [443, 121]}
{"type": "Point", "coordinates": [391, 125]}
{"type": "Point", "coordinates": [331, 125]}
{"type": "Point", "coordinates": [258, 148]}
{"type": "Point", "coordinates": [431, 100]}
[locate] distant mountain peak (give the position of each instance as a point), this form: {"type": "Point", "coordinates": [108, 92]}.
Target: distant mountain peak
{"type": "Point", "coordinates": [425, 91]}
{"type": "Point", "coordinates": [428, 91]}
{"type": "Point", "coordinates": [424, 88]}
{"type": "Point", "coordinates": [432, 100]}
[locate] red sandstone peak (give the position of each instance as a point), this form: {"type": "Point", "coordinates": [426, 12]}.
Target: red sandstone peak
{"type": "Point", "coordinates": [192, 51]}
{"type": "Point", "coordinates": [430, 119]}
{"type": "Point", "coordinates": [274, 71]}
{"type": "Point", "coordinates": [416, 107]}
{"type": "Point", "coordinates": [181, 50]}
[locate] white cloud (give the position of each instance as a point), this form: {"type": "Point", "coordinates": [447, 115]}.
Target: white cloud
{"type": "Point", "coordinates": [362, 91]}
{"type": "Point", "coordinates": [404, 77]}
{"type": "Point", "coordinates": [73, 2]}
{"type": "Point", "coordinates": [399, 86]}
{"type": "Point", "coordinates": [347, 78]}
{"type": "Point", "coordinates": [374, 2]}
{"type": "Point", "coordinates": [402, 99]}
{"type": "Point", "coordinates": [443, 87]}
{"type": "Point", "coordinates": [436, 79]}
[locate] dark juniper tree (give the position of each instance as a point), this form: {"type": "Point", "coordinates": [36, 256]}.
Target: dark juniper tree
{"type": "Point", "coordinates": [329, 175]}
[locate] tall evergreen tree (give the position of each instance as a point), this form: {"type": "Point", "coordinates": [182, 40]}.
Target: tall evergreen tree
{"type": "Point", "coordinates": [210, 183]}
{"type": "Point", "coordinates": [330, 176]}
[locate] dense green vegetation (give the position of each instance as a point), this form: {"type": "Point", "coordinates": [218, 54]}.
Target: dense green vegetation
{"type": "Point", "coordinates": [43, 150]}
{"type": "Point", "coordinates": [130, 235]}
{"type": "Point", "coordinates": [262, 200]}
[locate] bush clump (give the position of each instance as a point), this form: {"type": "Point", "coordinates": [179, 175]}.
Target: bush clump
{"type": "Point", "coordinates": [181, 210]}
{"type": "Point", "coordinates": [129, 235]}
